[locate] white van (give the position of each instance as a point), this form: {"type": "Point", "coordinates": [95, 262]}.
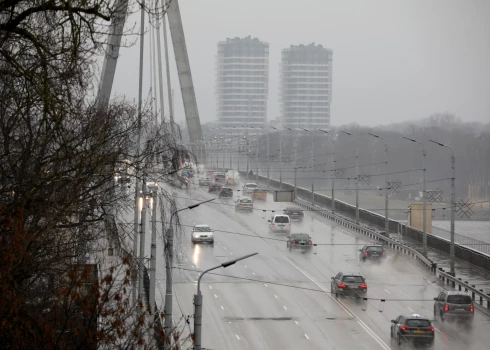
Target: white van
{"type": "Point", "coordinates": [232, 177]}
{"type": "Point", "coordinates": [280, 223]}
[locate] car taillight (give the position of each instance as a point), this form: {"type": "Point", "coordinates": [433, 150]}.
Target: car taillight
{"type": "Point", "coordinates": [293, 242]}
{"type": "Point", "coordinates": [272, 225]}
{"type": "Point", "coordinates": [366, 253]}
{"type": "Point", "coordinates": [404, 328]}
{"type": "Point", "coordinates": [363, 286]}
{"type": "Point", "coordinates": [384, 253]}
{"type": "Point", "coordinates": [341, 285]}
{"type": "Point", "coordinates": [472, 308]}
{"type": "Point", "coordinates": [310, 242]}
{"type": "Point", "coordinates": [431, 329]}
{"type": "Point", "coordinates": [289, 212]}
{"type": "Point", "coordinates": [446, 307]}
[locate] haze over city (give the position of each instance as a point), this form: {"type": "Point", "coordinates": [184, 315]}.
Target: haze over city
{"type": "Point", "coordinates": [393, 61]}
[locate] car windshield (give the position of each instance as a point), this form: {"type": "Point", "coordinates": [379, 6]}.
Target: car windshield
{"type": "Point", "coordinates": [353, 279]}
{"type": "Point", "coordinates": [417, 322]}
{"type": "Point", "coordinates": [260, 191]}
{"type": "Point", "coordinates": [245, 201]}
{"type": "Point", "coordinates": [293, 209]}
{"type": "Point", "coordinates": [202, 229]}
{"type": "Point", "coordinates": [459, 299]}
{"type": "Point", "coordinates": [226, 190]}
{"type": "Point", "coordinates": [282, 219]}
{"type": "Point", "coordinates": [374, 249]}
{"type": "Point", "coordinates": [251, 185]}
{"type": "Point", "coordinates": [301, 236]}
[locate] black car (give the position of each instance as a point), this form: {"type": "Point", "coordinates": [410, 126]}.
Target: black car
{"type": "Point", "coordinates": [294, 213]}
{"type": "Point", "coordinates": [372, 253]}
{"type": "Point", "coordinates": [414, 329]}
{"type": "Point", "coordinates": [299, 240]}
{"type": "Point", "coordinates": [352, 285]}
{"type": "Point", "coordinates": [220, 177]}
{"type": "Point", "coordinates": [214, 188]}
{"type": "Point", "coordinates": [226, 192]}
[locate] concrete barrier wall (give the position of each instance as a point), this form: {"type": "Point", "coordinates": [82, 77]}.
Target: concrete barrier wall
{"type": "Point", "coordinates": [461, 252]}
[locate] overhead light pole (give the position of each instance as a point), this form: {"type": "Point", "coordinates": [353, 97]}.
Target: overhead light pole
{"type": "Point", "coordinates": [357, 173]}
{"type": "Point", "coordinates": [387, 220]}
{"type": "Point", "coordinates": [332, 177]}
{"type": "Point", "coordinates": [424, 194]}
{"type": "Point", "coordinates": [198, 300]}
{"type": "Point", "coordinates": [453, 200]}
{"type": "Point", "coordinates": [168, 290]}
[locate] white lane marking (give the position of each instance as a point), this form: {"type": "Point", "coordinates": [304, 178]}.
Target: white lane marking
{"type": "Point", "coordinates": [285, 308]}
{"type": "Point", "coordinates": [306, 336]}
{"type": "Point", "coordinates": [222, 308]}
{"type": "Point", "coordinates": [387, 291]}
{"type": "Point", "coordinates": [231, 253]}
{"type": "Point", "coordinates": [245, 266]}
{"type": "Point", "coordinates": [185, 259]}
{"type": "Point", "coordinates": [216, 296]}
{"type": "Point", "coordinates": [253, 273]}
{"type": "Point", "coordinates": [265, 284]}
{"type": "Point", "coordinates": [430, 282]}
{"type": "Point", "coordinates": [408, 307]}
{"type": "Point", "coordinates": [219, 242]}
{"type": "Point", "coordinates": [350, 313]}
{"type": "Point", "coordinates": [275, 296]}
{"type": "Point", "coordinates": [224, 247]}
{"type": "Point", "coordinates": [236, 335]}
{"type": "Point", "coordinates": [210, 287]}
{"type": "Point", "coordinates": [296, 322]}
{"type": "Point", "coordinates": [438, 330]}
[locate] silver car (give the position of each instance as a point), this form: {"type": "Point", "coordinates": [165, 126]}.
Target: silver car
{"type": "Point", "coordinates": [454, 305]}
{"type": "Point", "coordinates": [202, 234]}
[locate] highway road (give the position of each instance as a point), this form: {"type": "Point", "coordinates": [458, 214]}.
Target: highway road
{"type": "Point", "coordinates": [280, 299]}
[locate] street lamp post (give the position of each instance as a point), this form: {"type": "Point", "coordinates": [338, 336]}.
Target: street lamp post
{"type": "Point", "coordinates": [453, 201]}
{"type": "Point", "coordinates": [357, 174]}
{"type": "Point", "coordinates": [387, 220]}
{"type": "Point", "coordinates": [332, 177]}
{"type": "Point", "coordinates": [424, 224]}
{"type": "Point", "coordinates": [198, 300]}
{"type": "Point", "coordinates": [168, 290]}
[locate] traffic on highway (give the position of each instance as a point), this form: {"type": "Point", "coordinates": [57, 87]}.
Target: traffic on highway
{"type": "Point", "coordinates": [313, 285]}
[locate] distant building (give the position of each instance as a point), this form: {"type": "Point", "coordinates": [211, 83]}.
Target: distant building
{"type": "Point", "coordinates": [306, 86]}
{"type": "Point", "coordinates": [242, 72]}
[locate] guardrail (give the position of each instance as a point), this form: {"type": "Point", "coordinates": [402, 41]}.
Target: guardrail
{"type": "Point", "coordinates": [446, 277]}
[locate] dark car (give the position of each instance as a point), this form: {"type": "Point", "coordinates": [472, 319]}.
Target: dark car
{"type": "Point", "coordinates": [226, 192]}
{"type": "Point", "coordinates": [414, 329]}
{"type": "Point", "coordinates": [220, 177]}
{"type": "Point", "coordinates": [294, 213]}
{"type": "Point", "coordinates": [352, 285]}
{"type": "Point", "coordinates": [204, 181]}
{"type": "Point", "coordinates": [454, 305]}
{"type": "Point", "coordinates": [372, 253]}
{"type": "Point", "coordinates": [299, 241]}
{"type": "Point", "coordinates": [214, 188]}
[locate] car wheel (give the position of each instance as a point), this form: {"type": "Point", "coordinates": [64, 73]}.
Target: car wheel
{"type": "Point", "coordinates": [435, 314]}
{"type": "Point", "coordinates": [442, 316]}
{"type": "Point", "coordinates": [398, 339]}
{"type": "Point", "coordinates": [212, 242]}
{"type": "Point", "coordinates": [290, 248]}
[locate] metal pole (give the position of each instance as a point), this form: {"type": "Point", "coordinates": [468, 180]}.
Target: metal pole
{"type": "Point", "coordinates": [167, 66]}
{"type": "Point", "coordinates": [424, 225]}
{"type": "Point", "coordinates": [142, 244]}
{"type": "Point", "coordinates": [280, 161]}
{"type": "Point", "coordinates": [312, 194]}
{"type": "Point", "coordinates": [387, 220]}
{"type": "Point", "coordinates": [153, 260]}
{"type": "Point", "coordinates": [333, 176]}
{"type": "Point", "coordinates": [268, 159]}
{"type": "Point", "coordinates": [257, 155]}
{"type": "Point", "coordinates": [168, 286]}
{"type": "Point", "coordinates": [140, 101]}
{"type": "Point", "coordinates": [357, 181]}
{"type": "Point", "coordinates": [453, 204]}
{"type": "Point", "coordinates": [160, 76]}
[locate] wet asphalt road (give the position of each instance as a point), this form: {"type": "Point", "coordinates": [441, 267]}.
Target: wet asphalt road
{"type": "Point", "coordinates": [280, 299]}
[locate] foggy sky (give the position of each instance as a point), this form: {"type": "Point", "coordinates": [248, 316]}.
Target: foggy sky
{"type": "Point", "coordinates": [393, 61]}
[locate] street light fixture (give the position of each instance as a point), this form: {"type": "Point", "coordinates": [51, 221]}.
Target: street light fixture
{"type": "Point", "coordinates": [424, 224]}
{"type": "Point", "coordinates": [453, 201]}
{"type": "Point", "coordinates": [198, 300]}
{"type": "Point", "coordinates": [387, 220]}
{"type": "Point", "coordinates": [357, 173]}
{"type": "Point", "coordinates": [168, 287]}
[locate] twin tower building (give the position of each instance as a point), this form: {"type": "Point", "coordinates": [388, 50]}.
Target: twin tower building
{"type": "Point", "coordinates": [242, 68]}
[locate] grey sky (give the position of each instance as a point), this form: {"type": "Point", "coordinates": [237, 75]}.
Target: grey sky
{"type": "Point", "coordinates": [394, 60]}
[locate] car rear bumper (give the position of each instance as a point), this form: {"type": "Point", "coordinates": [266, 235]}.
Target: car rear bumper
{"type": "Point", "coordinates": [295, 217]}
{"type": "Point", "coordinates": [459, 316]}
{"type": "Point", "coordinates": [353, 292]}
{"type": "Point", "coordinates": [301, 246]}
{"type": "Point", "coordinates": [245, 208]}
{"type": "Point", "coordinates": [275, 230]}
{"type": "Point", "coordinates": [420, 339]}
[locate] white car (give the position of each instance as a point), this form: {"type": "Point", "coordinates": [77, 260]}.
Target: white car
{"type": "Point", "coordinates": [279, 224]}
{"type": "Point", "coordinates": [202, 234]}
{"type": "Point", "coordinates": [249, 187]}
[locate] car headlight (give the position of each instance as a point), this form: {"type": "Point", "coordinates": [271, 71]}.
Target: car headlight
{"type": "Point", "coordinates": [194, 234]}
